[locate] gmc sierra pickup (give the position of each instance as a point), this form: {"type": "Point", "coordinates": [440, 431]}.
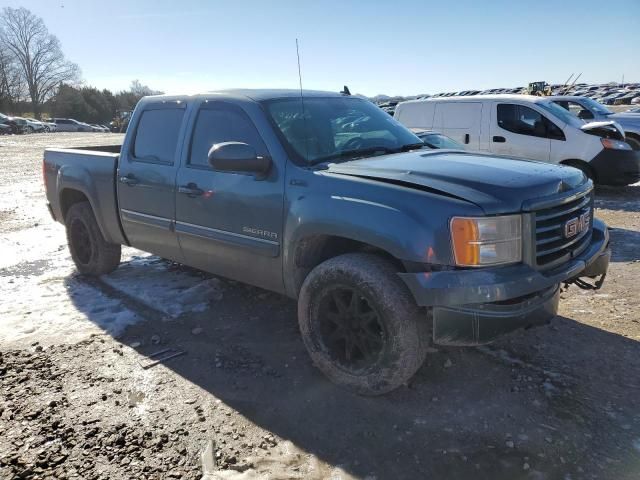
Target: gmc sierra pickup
{"type": "Point", "coordinates": [326, 198]}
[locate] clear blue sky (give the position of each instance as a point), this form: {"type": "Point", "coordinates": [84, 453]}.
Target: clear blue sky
{"type": "Point", "coordinates": [391, 46]}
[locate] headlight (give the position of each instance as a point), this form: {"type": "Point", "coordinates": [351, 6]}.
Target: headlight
{"type": "Point", "coordinates": [615, 144]}
{"type": "Point", "coordinates": [484, 241]}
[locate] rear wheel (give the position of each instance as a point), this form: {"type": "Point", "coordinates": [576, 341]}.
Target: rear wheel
{"type": "Point", "coordinates": [28, 129]}
{"type": "Point", "coordinates": [361, 325]}
{"type": "Point", "coordinates": [91, 253]}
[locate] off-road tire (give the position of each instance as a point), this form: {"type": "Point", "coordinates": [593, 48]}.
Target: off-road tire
{"type": "Point", "coordinates": [405, 327]}
{"type": "Point", "coordinates": [91, 253]}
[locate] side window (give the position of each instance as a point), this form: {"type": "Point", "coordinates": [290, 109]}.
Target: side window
{"type": "Point", "coordinates": [222, 123]}
{"type": "Point", "coordinates": [522, 120]}
{"type": "Point", "coordinates": [157, 135]}
{"type": "Point", "coordinates": [579, 111]}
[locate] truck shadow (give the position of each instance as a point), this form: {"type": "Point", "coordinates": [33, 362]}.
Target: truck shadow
{"type": "Point", "coordinates": [625, 199]}
{"type": "Point", "coordinates": [450, 422]}
{"type": "Point", "coordinates": [625, 245]}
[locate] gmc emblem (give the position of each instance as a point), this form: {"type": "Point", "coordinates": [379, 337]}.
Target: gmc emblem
{"type": "Point", "coordinates": [578, 224]}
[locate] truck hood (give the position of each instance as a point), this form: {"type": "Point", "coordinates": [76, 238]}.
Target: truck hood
{"type": "Point", "coordinates": [494, 183]}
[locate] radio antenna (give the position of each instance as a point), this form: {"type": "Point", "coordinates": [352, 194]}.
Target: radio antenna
{"type": "Point", "coordinates": [304, 117]}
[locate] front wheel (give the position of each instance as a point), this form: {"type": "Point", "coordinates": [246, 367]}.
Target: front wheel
{"type": "Point", "coordinates": [91, 253]}
{"type": "Point", "coordinates": [361, 325]}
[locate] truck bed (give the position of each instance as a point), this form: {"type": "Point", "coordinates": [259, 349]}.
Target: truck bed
{"type": "Point", "coordinates": [89, 172]}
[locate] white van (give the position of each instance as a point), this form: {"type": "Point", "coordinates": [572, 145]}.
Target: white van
{"type": "Point", "coordinates": [528, 127]}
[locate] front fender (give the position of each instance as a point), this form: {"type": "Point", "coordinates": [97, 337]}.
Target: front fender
{"type": "Point", "coordinates": [403, 233]}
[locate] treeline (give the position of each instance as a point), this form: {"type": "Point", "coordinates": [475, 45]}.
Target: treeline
{"type": "Point", "coordinates": [36, 77]}
{"type": "Point", "coordinates": [88, 104]}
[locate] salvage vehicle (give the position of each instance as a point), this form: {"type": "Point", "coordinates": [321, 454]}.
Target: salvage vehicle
{"type": "Point", "coordinates": [589, 110]}
{"type": "Point", "coordinates": [386, 245]}
{"type": "Point", "coordinates": [529, 127]}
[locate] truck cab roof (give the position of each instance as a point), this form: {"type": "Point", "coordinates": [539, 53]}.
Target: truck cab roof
{"type": "Point", "coordinates": [257, 95]}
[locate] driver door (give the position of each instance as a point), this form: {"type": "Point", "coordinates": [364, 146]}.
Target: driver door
{"type": "Point", "coordinates": [229, 223]}
{"type": "Point", "coordinates": [520, 131]}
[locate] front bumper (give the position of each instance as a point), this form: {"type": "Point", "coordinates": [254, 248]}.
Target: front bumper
{"type": "Point", "coordinates": [616, 167]}
{"type": "Point", "coordinates": [471, 307]}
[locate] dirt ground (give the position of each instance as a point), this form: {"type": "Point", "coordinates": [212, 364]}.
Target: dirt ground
{"type": "Point", "coordinates": [80, 397]}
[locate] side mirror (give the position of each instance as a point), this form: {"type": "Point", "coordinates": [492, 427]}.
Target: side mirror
{"type": "Point", "coordinates": [240, 158]}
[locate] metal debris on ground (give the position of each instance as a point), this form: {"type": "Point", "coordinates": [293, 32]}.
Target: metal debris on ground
{"type": "Point", "coordinates": [161, 356]}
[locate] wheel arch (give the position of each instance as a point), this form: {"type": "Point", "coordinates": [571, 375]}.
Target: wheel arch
{"type": "Point", "coordinates": [581, 165]}
{"type": "Point", "coordinates": [311, 250]}
{"type": "Point", "coordinates": [634, 136]}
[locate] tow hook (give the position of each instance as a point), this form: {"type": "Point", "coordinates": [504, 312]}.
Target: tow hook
{"type": "Point", "coordinates": [579, 282]}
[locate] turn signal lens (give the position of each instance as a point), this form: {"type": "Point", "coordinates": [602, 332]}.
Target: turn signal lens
{"type": "Point", "coordinates": [485, 241]}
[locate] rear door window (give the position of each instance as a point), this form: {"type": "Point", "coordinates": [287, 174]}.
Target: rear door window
{"type": "Point", "coordinates": [157, 135]}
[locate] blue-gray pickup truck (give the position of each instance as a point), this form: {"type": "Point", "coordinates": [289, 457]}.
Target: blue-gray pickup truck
{"type": "Point", "coordinates": [386, 245]}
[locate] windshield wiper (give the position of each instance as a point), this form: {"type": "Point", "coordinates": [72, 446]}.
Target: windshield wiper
{"type": "Point", "coordinates": [355, 153]}
{"type": "Point", "coordinates": [364, 152]}
{"type": "Point", "coordinates": [411, 146]}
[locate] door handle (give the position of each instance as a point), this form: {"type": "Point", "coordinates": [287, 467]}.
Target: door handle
{"type": "Point", "coordinates": [466, 138]}
{"type": "Point", "coordinates": [130, 180]}
{"type": "Point", "coordinates": [499, 139]}
{"type": "Point", "coordinates": [190, 189]}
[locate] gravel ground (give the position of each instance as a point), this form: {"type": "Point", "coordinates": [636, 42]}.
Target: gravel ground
{"type": "Point", "coordinates": [80, 397]}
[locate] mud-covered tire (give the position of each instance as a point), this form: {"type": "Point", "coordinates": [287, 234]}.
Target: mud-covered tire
{"type": "Point", "coordinates": [91, 253]}
{"type": "Point", "coordinates": [402, 327]}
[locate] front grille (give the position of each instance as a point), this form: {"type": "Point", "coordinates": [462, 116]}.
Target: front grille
{"type": "Point", "coordinates": [553, 247]}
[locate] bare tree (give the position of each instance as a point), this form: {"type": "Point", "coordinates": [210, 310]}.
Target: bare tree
{"type": "Point", "coordinates": [38, 54]}
{"type": "Point", "coordinates": [12, 88]}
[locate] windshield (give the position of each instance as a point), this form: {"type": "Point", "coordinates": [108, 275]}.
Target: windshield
{"type": "Point", "coordinates": [561, 113]}
{"type": "Point", "coordinates": [596, 107]}
{"type": "Point", "coordinates": [337, 128]}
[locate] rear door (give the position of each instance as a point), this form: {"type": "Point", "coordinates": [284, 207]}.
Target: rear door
{"type": "Point", "coordinates": [520, 131]}
{"type": "Point", "coordinates": [146, 179]}
{"type": "Point", "coordinates": [229, 223]}
{"type": "Point", "coordinates": [461, 121]}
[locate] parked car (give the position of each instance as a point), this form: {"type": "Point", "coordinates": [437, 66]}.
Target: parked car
{"type": "Point", "coordinates": [590, 110]}
{"type": "Point", "coordinates": [22, 126]}
{"type": "Point", "coordinates": [50, 126]}
{"type": "Point", "coordinates": [436, 140]}
{"type": "Point", "coordinates": [627, 98]}
{"type": "Point", "coordinates": [71, 125]}
{"type": "Point", "coordinates": [34, 126]}
{"type": "Point", "coordinates": [5, 129]}
{"type": "Point", "coordinates": [386, 248]}
{"type": "Point", "coordinates": [610, 99]}
{"type": "Point", "coordinates": [11, 123]}
{"type": "Point", "coordinates": [530, 127]}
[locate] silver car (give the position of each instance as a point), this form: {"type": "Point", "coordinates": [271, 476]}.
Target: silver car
{"type": "Point", "coordinates": [589, 110]}
{"type": "Point", "coordinates": [71, 125]}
